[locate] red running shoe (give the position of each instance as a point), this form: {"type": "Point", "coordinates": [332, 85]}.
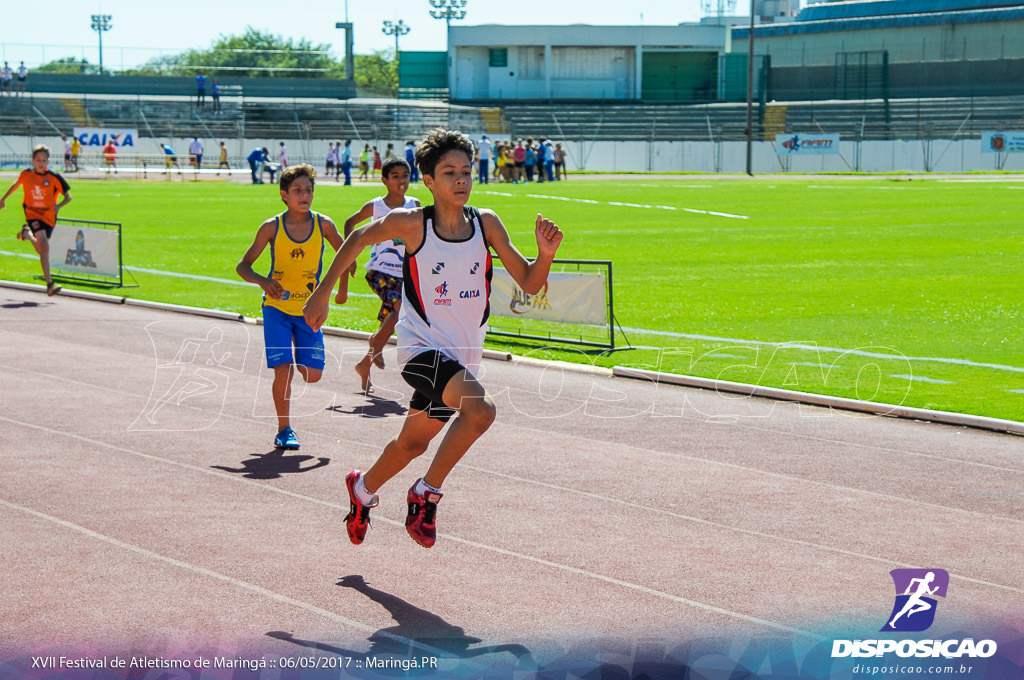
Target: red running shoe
{"type": "Point", "coordinates": [420, 520]}
{"type": "Point", "coordinates": [358, 519]}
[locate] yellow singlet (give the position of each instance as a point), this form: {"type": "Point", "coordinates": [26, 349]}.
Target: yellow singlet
{"type": "Point", "coordinates": [296, 266]}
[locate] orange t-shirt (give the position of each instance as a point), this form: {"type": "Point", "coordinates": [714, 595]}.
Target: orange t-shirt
{"type": "Point", "coordinates": [41, 193]}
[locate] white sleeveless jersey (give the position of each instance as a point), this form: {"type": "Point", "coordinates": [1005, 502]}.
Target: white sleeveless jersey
{"type": "Point", "coordinates": [446, 286]}
{"type": "Point", "coordinates": [388, 256]}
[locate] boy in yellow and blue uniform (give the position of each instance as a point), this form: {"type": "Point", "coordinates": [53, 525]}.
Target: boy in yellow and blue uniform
{"type": "Point", "coordinates": [296, 239]}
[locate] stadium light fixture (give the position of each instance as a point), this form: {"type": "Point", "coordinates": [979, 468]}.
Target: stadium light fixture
{"type": "Point", "coordinates": [101, 24]}
{"type": "Point", "coordinates": [448, 10]}
{"type": "Point", "coordinates": [397, 29]}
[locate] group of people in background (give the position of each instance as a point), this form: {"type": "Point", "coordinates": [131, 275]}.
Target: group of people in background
{"type": "Point", "coordinates": [7, 75]}
{"type": "Point", "coordinates": [527, 160]}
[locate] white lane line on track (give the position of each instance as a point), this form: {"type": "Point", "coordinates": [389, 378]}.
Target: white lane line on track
{"type": "Point", "coordinates": [343, 508]}
{"type": "Point", "coordinates": [455, 539]}
{"type": "Point", "coordinates": [210, 573]}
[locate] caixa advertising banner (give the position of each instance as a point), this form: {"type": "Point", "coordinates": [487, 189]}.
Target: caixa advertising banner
{"type": "Point", "coordinates": [1002, 142]}
{"type": "Point", "coordinates": [97, 138]}
{"type": "Point", "coordinates": [85, 250]}
{"type": "Point", "coordinates": [570, 297]}
{"type": "Point", "coordinates": [806, 145]}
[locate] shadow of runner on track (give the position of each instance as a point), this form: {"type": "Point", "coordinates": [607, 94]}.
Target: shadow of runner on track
{"type": "Point", "coordinates": [418, 632]}
{"type": "Point", "coordinates": [377, 408]}
{"type": "Point", "coordinates": [273, 464]}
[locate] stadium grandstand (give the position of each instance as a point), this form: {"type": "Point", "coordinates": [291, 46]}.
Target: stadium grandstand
{"type": "Point", "coordinates": [867, 70]}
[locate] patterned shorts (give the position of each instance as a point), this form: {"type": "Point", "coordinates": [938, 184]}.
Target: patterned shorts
{"type": "Point", "coordinates": [388, 288]}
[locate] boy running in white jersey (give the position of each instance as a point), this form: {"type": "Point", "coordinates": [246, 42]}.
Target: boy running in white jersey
{"type": "Point", "coordinates": [441, 325]}
{"type": "Point", "coordinates": [384, 270]}
{"type": "Point", "coordinates": [296, 240]}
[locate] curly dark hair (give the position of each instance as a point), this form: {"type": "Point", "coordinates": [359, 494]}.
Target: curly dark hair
{"type": "Point", "coordinates": [295, 171]}
{"type": "Point", "coordinates": [438, 143]}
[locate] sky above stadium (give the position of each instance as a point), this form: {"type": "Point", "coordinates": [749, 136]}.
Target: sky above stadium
{"type": "Point", "coordinates": [142, 29]}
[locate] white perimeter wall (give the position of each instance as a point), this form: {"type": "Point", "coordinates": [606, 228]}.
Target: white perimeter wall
{"type": "Point", "coordinates": [725, 157]}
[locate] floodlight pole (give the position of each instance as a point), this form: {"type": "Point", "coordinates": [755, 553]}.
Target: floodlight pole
{"type": "Point", "coordinates": [750, 93]}
{"type": "Point", "coordinates": [100, 24]}
{"type": "Point", "coordinates": [397, 29]}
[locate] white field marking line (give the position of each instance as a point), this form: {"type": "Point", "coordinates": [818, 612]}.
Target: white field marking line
{"type": "Point", "coordinates": [922, 378]}
{"type": "Point", "coordinates": [646, 206]}
{"type": "Point", "coordinates": [203, 571]}
{"type": "Point", "coordinates": [829, 350]}
{"type": "Point", "coordinates": [647, 331]}
{"type": "Point", "coordinates": [718, 525]}
{"type": "Point", "coordinates": [474, 544]}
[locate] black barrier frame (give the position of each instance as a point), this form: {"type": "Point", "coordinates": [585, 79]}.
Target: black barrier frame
{"type": "Point", "coordinates": [69, 276]}
{"type": "Point", "coordinates": [580, 341]}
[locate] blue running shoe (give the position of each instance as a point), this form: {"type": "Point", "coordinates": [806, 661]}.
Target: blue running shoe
{"type": "Point", "coordinates": [286, 439]}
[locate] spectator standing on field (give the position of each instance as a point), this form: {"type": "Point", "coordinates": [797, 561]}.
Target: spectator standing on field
{"type": "Point", "coordinates": [76, 150]}
{"type": "Point", "coordinates": [110, 156]}
{"type": "Point", "coordinates": [67, 154]}
{"type": "Point", "coordinates": [223, 159]}
{"type": "Point", "coordinates": [484, 149]}
{"type": "Point", "coordinates": [410, 158]}
{"type": "Point", "coordinates": [346, 162]}
{"type": "Point", "coordinates": [195, 153]}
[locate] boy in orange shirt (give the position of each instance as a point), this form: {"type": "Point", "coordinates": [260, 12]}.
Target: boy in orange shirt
{"type": "Point", "coordinates": [41, 186]}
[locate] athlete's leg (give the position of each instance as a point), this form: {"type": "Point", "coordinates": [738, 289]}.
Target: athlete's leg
{"type": "Point", "coordinates": [282, 391]}
{"type": "Point", "coordinates": [411, 442]}
{"type": "Point", "coordinates": [476, 413]}
{"type": "Point", "coordinates": [41, 243]}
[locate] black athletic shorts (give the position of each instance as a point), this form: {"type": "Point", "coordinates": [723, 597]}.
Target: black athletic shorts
{"type": "Point", "coordinates": [428, 374]}
{"type": "Point", "coordinates": [39, 225]}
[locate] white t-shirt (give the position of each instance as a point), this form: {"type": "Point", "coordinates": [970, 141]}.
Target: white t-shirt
{"type": "Point", "coordinates": [484, 149]}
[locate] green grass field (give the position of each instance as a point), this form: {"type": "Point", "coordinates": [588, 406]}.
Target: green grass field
{"type": "Point", "coordinates": [902, 292]}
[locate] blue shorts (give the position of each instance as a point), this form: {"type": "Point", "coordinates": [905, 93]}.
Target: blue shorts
{"type": "Point", "coordinates": [281, 331]}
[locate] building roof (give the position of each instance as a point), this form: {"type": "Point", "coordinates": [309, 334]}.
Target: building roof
{"type": "Point", "coordinates": [877, 8]}
{"type": "Point", "coordinates": [875, 14]}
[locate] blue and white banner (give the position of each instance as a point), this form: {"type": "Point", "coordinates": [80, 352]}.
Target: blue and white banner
{"type": "Point", "coordinates": [806, 145]}
{"type": "Point", "coordinates": [98, 137]}
{"type": "Point", "coordinates": [1002, 142]}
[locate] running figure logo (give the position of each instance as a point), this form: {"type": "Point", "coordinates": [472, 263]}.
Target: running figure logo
{"type": "Point", "coordinates": [914, 610]}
